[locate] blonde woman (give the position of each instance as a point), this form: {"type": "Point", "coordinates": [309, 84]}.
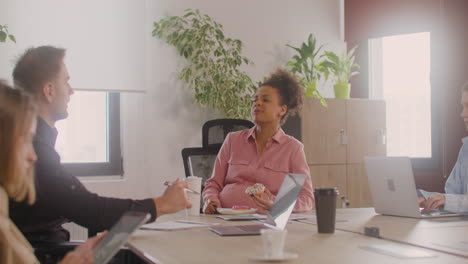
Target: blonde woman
{"type": "Point", "coordinates": [17, 157]}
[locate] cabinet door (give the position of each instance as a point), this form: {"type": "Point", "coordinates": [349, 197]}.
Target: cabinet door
{"type": "Point", "coordinates": [365, 120]}
{"type": "Point", "coordinates": [322, 129]}
{"type": "Point", "coordinates": [358, 187]}
{"type": "Point", "coordinates": [330, 176]}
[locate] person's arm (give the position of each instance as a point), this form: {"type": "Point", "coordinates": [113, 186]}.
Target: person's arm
{"type": "Point", "coordinates": [306, 199]}
{"type": "Point", "coordinates": [61, 195]}
{"type": "Point", "coordinates": [453, 185]}
{"type": "Point", "coordinates": [456, 203]}
{"type": "Point", "coordinates": [215, 184]}
{"type": "Point", "coordinates": [65, 196]}
{"type": "Point", "coordinates": [453, 200]}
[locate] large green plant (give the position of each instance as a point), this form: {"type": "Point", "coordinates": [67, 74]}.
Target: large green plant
{"type": "Point", "coordinates": [305, 66]}
{"type": "Point", "coordinates": [342, 67]}
{"type": "Point", "coordinates": [214, 61]}
{"type": "Point", "coordinates": [4, 34]}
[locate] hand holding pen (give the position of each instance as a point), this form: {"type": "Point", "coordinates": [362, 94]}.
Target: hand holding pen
{"type": "Point", "coordinates": [173, 200]}
{"type": "Point", "coordinates": [167, 183]}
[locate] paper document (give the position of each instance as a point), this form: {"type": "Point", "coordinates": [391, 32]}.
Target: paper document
{"type": "Point", "coordinates": [175, 225]}
{"type": "Point", "coordinates": [398, 251]}
{"type": "Point", "coordinates": [242, 217]}
{"type": "Point", "coordinates": [301, 216]}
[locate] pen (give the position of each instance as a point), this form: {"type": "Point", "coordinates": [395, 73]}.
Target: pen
{"type": "Point", "coordinates": [189, 190]}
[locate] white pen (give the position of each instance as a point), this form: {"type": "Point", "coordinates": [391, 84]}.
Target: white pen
{"type": "Point", "coordinates": [188, 189]}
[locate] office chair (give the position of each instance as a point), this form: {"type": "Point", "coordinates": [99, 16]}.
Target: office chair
{"type": "Point", "coordinates": [215, 131]}
{"type": "Point", "coordinates": [199, 162]}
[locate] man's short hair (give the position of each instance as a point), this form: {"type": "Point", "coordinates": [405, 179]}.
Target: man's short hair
{"type": "Point", "coordinates": [465, 87]}
{"type": "Point", "coordinates": [37, 66]}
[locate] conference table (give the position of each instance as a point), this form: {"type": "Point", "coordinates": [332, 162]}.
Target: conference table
{"type": "Point", "coordinates": [444, 240]}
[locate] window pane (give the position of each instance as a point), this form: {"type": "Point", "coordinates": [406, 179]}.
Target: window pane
{"type": "Point", "coordinates": [83, 135]}
{"type": "Point", "coordinates": [400, 74]}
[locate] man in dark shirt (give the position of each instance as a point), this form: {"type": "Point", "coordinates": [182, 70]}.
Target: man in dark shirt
{"type": "Point", "coordinates": [60, 196]}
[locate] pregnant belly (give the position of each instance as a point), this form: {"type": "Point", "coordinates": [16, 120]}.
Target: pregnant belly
{"type": "Point", "coordinates": [234, 194]}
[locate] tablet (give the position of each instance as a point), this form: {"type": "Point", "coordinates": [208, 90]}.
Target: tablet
{"type": "Point", "coordinates": [119, 234]}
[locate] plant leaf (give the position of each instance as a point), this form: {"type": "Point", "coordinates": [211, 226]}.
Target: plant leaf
{"type": "Point", "coordinates": [12, 38]}
{"type": "Point", "coordinates": [3, 36]}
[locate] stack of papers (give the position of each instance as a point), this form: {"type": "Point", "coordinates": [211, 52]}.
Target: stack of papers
{"type": "Point", "coordinates": [175, 225]}
{"type": "Point", "coordinates": [242, 217]}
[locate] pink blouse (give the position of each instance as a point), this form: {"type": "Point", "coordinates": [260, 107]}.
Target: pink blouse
{"type": "Point", "coordinates": [239, 165]}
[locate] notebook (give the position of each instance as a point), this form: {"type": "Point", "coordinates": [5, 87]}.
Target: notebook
{"type": "Point", "coordinates": [278, 215]}
{"type": "Point", "coordinates": [393, 190]}
{"type": "Point", "coordinates": [118, 235]}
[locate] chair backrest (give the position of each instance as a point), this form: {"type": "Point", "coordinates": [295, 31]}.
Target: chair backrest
{"type": "Point", "coordinates": [215, 131]}
{"type": "Point", "coordinates": [199, 162]}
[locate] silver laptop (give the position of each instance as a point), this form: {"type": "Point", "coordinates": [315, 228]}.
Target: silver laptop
{"type": "Point", "coordinates": [393, 190]}
{"type": "Point", "coordinates": [278, 215]}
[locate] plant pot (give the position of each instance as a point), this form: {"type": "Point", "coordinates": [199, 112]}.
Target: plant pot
{"type": "Point", "coordinates": [342, 90]}
{"type": "Point", "coordinates": [311, 89]}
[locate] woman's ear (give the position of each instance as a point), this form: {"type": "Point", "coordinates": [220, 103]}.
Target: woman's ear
{"type": "Point", "coordinates": [284, 109]}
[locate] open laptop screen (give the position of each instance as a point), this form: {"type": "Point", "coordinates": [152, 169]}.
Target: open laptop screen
{"type": "Point", "coordinates": [286, 199]}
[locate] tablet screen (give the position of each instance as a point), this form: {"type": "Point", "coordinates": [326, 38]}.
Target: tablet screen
{"type": "Point", "coordinates": [118, 236]}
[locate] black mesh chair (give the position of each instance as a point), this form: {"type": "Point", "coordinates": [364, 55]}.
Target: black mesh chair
{"type": "Point", "coordinates": [215, 131]}
{"type": "Point", "coordinates": [199, 162]}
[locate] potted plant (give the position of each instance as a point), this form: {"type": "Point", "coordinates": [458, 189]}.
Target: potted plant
{"type": "Point", "coordinates": [4, 33]}
{"type": "Point", "coordinates": [342, 68]}
{"type": "Point", "coordinates": [305, 66]}
{"type": "Point", "coordinates": [214, 62]}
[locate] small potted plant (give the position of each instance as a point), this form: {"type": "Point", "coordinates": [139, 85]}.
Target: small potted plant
{"type": "Point", "coordinates": [305, 66]}
{"type": "Point", "coordinates": [342, 68]}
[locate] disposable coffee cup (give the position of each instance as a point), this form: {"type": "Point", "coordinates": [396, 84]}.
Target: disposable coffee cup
{"type": "Point", "coordinates": [273, 242]}
{"type": "Point", "coordinates": [325, 207]}
{"type": "Point", "coordinates": [194, 183]}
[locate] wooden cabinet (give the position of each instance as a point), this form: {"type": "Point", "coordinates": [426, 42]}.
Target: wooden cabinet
{"type": "Point", "coordinates": [336, 139]}
{"type": "Point", "coordinates": [330, 176]}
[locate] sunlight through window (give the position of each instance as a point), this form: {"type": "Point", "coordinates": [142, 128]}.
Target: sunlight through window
{"type": "Point", "coordinates": [400, 75]}
{"type": "Point", "coordinates": [83, 135]}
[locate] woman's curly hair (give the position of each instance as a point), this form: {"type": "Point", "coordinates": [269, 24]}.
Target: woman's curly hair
{"type": "Point", "coordinates": [289, 88]}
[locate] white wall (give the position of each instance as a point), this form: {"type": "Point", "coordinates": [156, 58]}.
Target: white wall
{"type": "Point", "coordinates": [103, 38]}
{"type": "Point", "coordinates": [159, 123]}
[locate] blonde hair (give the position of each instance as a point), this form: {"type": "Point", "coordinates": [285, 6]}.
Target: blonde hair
{"type": "Point", "coordinates": [17, 112]}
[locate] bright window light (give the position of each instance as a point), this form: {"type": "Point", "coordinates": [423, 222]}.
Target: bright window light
{"type": "Point", "coordinates": [83, 135]}
{"type": "Point", "coordinates": [400, 75]}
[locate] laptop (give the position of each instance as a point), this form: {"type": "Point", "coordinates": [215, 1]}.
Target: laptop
{"type": "Point", "coordinates": [393, 189]}
{"type": "Point", "coordinates": [279, 213]}
{"type": "Point", "coordinates": [118, 235]}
